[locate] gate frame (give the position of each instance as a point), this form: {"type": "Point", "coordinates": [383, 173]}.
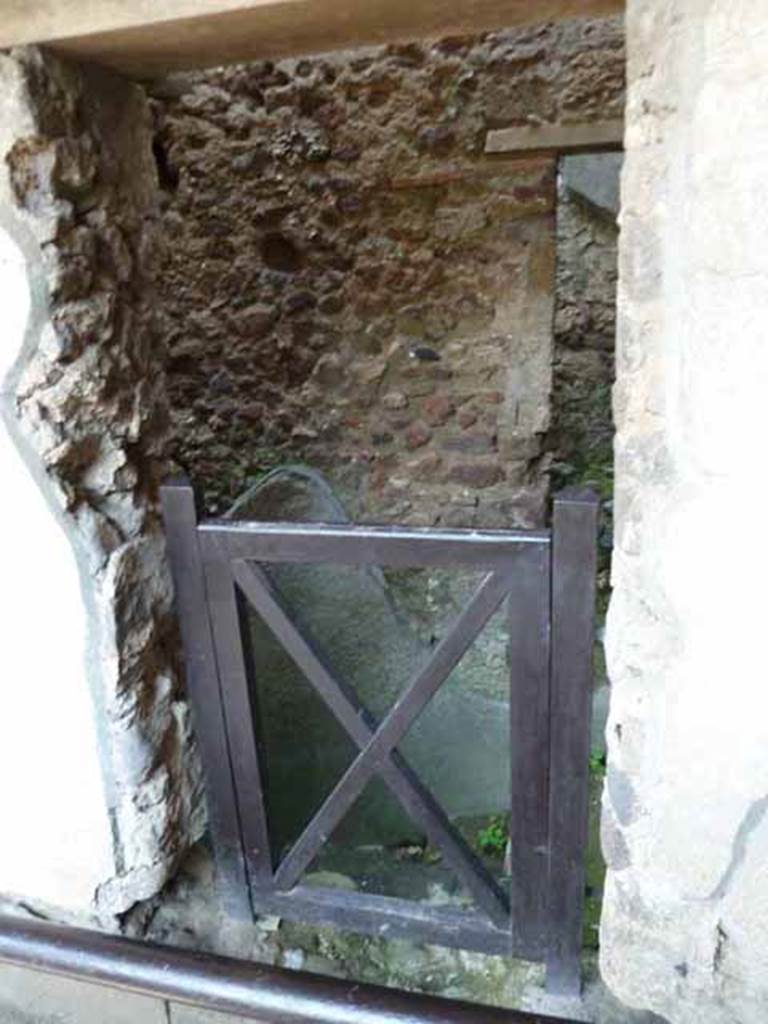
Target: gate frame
{"type": "Point", "coordinates": [550, 592]}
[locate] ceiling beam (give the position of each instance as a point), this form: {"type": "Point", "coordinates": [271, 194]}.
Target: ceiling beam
{"type": "Point", "coordinates": [146, 38]}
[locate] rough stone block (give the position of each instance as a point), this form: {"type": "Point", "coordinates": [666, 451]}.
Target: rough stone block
{"type": "Point", "coordinates": [437, 409]}
{"type": "Point", "coordinates": [417, 435]}
{"type": "Point", "coordinates": [469, 443]}
{"type": "Point", "coordinates": [478, 473]}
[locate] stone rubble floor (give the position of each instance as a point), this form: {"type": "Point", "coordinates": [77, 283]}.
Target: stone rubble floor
{"type": "Point", "coordinates": [188, 916]}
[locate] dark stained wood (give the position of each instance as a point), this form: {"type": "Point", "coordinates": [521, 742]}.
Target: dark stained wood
{"type": "Point", "coordinates": [528, 619]}
{"type": "Point", "coordinates": [202, 679]}
{"type": "Point", "coordinates": [306, 543]}
{"type": "Point", "coordinates": [395, 771]}
{"type": "Point", "coordinates": [548, 581]}
{"type": "Point", "coordinates": [237, 697]}
{"type": "Point", "coordinates": [574, 561]}
{"type": "Point", "coordinates": [393, 918]}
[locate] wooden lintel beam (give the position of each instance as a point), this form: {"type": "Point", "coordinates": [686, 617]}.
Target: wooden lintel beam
{"type": "Point", "coordinates": [146, 38]}
{"type": "Point", "coordinates": [557, 138]}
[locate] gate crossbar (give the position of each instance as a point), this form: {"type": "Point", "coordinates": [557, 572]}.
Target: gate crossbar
{"type": "Point", "coordinates": [377, 745]}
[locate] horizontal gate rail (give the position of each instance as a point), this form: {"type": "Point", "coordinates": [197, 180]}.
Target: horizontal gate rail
{"type": "Point", "coordinates": [370, 545]}
{"type": "Point", "coordinates": [270, 995]}
{"type": "Point", "coordinates": [394, 918]}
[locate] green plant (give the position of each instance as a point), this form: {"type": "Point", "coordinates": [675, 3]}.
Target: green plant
{"type": "Point", "coordinates": [597, 762]}
{"type": "Point", "coordinates": [493, 838]}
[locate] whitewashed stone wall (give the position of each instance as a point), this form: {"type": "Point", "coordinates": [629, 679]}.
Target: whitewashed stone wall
{"type": "Point", "coordinates": [685, 927]}
{"type": "Point", "coordinates": [99, 788]}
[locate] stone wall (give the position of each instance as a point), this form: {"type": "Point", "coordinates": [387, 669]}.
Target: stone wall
{"type": "Point", "coordinates": [351, 283]}
{"type": "Point", "coordinates": [685, 923]}
{"type": "Point", "coordinates": [580, 438]}
{"type": "Point", "coordinates": [84, 412]}
{"type": "Point", "coordinates": [581, 431]}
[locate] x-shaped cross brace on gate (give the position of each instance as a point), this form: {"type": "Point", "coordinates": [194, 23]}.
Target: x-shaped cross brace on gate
{"type": "Point", "coordinates": [377, 743]}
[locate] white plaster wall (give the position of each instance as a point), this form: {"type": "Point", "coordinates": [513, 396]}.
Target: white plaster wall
{"type": "Point", "coordinates": [685, 926]}
{"type": "Point", "coordinates": [55, 835]}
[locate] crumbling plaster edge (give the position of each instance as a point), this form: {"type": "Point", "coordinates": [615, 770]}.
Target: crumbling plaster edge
{"type": "Point", "coordinates": [95, 638]}
{"type": "Point", "coordinates": [117, 893]}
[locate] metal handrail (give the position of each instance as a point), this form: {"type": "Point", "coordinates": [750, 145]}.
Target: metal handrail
{"type": "Point", "coordinates": [268, 994]}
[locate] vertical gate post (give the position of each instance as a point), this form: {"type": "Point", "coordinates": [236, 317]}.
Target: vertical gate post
{"type": "Point", "coordinates": [529, 699]}
{"type": "Point", "coordinates": [180, 518]}
{"type": "Point", "coordinates": [229, 629]}
{"type": "Point", "coordinates": [574, 563]}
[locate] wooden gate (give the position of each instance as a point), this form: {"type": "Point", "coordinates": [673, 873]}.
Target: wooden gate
{"type": "Point", "coordinates": [545, 579]}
